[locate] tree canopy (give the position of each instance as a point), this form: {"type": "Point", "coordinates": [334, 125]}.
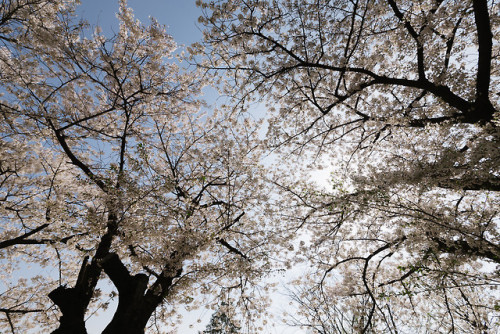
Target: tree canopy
{"type": "Point", "coordinates": [399, 99]}
{"type": "Point", "coordinates": [111, 166]}
{"type": "Point", "coordinates": [114, 169]}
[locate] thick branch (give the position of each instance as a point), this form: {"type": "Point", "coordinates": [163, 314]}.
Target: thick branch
{"type": "Point", "coordinates": [231, 248]}
{"type": "Point", "coordinates": [135, 307]}
{"type": "Point", "coordinates": [73, 302]}
{"type": "Point", "coordinates": [414, 35]}
{"type": "Point", "coordinates": [442, 92]}
{"type": "Point", "coordinates": [22, 239]}
{"type": "Point", "coordinates": [485, 42]}
{"type": "Point", "coordinates": [160, 288]}
{"type": "Point", "coordinates": [464, 248]}
{"type": "Point", "coordinates": [116, 271]}
{"type": "Point", "coordinates": [483, 109]}
{"type": "Point", "coordinates": [477, 185]}
{"type": "Point", "coordinates": [74, 160]}
{"type": "Point", "coordinates": [8, 310]}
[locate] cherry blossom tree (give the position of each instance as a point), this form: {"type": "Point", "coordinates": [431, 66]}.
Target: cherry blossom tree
{"type": "Point", "coordinates": [400, 100]}
{"type": "Point", "coordinates": [110, 168]}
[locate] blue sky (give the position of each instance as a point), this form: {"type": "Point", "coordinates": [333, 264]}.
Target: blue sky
{"type": "Point", "coordinates": [180, 16]}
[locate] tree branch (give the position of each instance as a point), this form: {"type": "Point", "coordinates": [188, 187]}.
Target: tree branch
{"type": "Point", "coordinates": [465, 248]}
{"type": "Point", "coordinates": [415, 36]}
{"type": "Point", "coordinates": [485, 41]}
{"type": "Point", "coordinates": [22, 239]}
{"type": "Point", "coordinates": [231, 248]}
{"type": "Point", "coordinates": [74, 160]}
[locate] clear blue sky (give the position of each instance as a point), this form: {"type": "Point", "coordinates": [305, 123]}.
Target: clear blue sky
{"type": "Point", "coordinates": [180, 16]}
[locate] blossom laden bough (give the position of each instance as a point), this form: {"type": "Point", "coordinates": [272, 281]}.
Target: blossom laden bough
{"type": "Point", "coordinates": [110, 168]}
{"type": "Point", "coordinates": [399, 99]}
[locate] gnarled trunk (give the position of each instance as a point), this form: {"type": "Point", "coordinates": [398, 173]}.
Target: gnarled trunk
{"type": "Point", "coordinates": [136, 303]}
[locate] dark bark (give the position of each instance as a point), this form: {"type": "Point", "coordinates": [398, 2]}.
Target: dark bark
{"type": "Point", "coordinates": [475, 185]}
{"type": "Point", "coordinates": [136, 303]}
{"type": "Point", "coordinates": [442, 92]}
{"type": "Point", "coordinates": [483, 109]}
{"type": "Point", "coordinates": [72, 303]}
{"type": "Point", "coordinates": [72, 321]}
{"type": "Point", "coordinates": [23, 239]}
{"type": "Point", "coordinates": [76, 161]}
{"type": "Point", "coordinates": [130, 315]}
{"type": "Point", "coordinates": [414, 35]}
{"type": "Point", "coordinates": [464, 248]}
{"type": "Point", "coordinates": [231, 248]}
{"type": "Point", "coordinates": [485, 42]}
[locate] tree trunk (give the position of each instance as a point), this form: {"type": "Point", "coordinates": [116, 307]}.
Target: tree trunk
{"type": "Point", "coordinates": [72, 308]}
{"type": "Point", "coordinates": [132, 315]}
{"type": "Point", "coordinates": [136, 303]}
{"type": "Point", "coordinates": [73, 303]}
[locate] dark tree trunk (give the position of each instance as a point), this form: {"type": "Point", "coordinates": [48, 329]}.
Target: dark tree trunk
{"type": "Point", "coordinates": [132, 315]}
{"type": "Point", "coordinates": [72, 303]}
{"type": "Point", "coordinates": [136, 303]}
{"type": "Point", "coordinates": [72, 321]}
